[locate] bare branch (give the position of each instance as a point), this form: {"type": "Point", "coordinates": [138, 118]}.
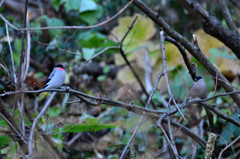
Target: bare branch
{"type": "Point", "coordinates": [69, 27]}
{"type": "Point", "coordinates": [172, 145]}
{"type": "Point", "coordinates": [191, 70]}
{"type": "Point", "coordinates": [27, 56]}
{"type": "Point", "coordinates": [227, 16]}
{"type": "Point", "coordinates": [133, 135]}
{"type": "Point", "coordinates": [11, 53]}
{"type": "Point", "coordinates": [104, 50]}
{"type": "Point", "coordinates": [35, 121]}
{"type": "Point", "coordinates": [162, 38]}
{"type": "Point", "coordinates": [190, 47]}
{"type": "Point", "coordinates": [213, 26]}
{"type": "Point", "coordinates": [129, 64]}
{"type": "Point", "coordinates": [45, 136]}
{"type": "Point", "coordinates": [13, 126]}
{"type": "Point", "coordinates": [148, 72]}
{"type": "Point", "coordinates": [235, 140]}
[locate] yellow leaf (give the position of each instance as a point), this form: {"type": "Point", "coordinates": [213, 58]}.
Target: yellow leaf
{"type": "Point", "coordinates": [222, 56]}
{"type": "Point", "coordinates": [140, 33]}
{"type": "Point", "coordinates": [5, 39]}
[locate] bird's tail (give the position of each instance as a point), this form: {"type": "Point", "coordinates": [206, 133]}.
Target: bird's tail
{"type": "Point", "coordinates": [45, 86]}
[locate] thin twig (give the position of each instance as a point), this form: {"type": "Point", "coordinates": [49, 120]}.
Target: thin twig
{"type": "Point", "coordinates": [149, 96]}
{"type": "Point", "coordinates": [148, 72]}
{"type": "Point", "coordinates": [170, 142]}
{"type": "Point", "coordinates": [1, 3]}
{"type": "Point", "coordinates": [165, 71]}
{"type": "Point", "coordinates": [45, 107]}
{"type": "Point", "coordinates": [69, 27]}
{"type": "Point", "coordinates": [20, 82]}
{"type": "Point", "coordinates": [21, 61]}
{"type": "Point", "coordinates": [45, 136]}
{"type": "Point", "coordinates": [13, 128]}
{"type": "Point", "coordinates": [11, 53]}
{"type": "Point", "coordinates": [69, 143]}
{"type": "Point", "coordinates": [133, 135]}
{"type": "Point", "coordinates": [60, 49]}
{"type": "Point", "coordinates": [227, 16]}
{"type": "Point", "coordinates": [235, 140]}
{"type": "Point", "coordinates": [12, 123]}
{"type": "Point", "coordinates": [216, 83]}
{"type": "Point", "coordinates": [104, 50]}
{"type": "Point", "coordinates": [141, 118]}
{"type": "Point", "coordinates": [5, 69]}
{"type": "Point", "coordinates": [181, 49]}
{"type": "Point", "coordinates": [27, 61]}
{"type": "Point", "coordinates": [129, 64]}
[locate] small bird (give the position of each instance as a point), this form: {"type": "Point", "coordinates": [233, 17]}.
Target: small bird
{"type": "Point", "coordinates": [56, 78]}
{"type": "Point", "coordinates": [199, 88]}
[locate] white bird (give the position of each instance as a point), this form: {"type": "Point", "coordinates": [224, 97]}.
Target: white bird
{"type": "Point", "coordinates": [199, 88]}
{"type": "Point", "coordinates": [56, 78]}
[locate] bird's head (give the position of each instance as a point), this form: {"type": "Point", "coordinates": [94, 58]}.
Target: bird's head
{"type": "Point", "coordinates": [59, 67]}
{"type": "Point", "coordinates": [197, 78]}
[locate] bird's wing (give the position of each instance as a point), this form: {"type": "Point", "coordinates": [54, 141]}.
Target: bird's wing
{"type": "Point", "coordinates": [51, 75]}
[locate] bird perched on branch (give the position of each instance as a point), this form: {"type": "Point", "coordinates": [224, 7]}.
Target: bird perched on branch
{"type": "Point", "coordinates": [56, 78]}
{"type": "Point", "coordinates": [199, 88]}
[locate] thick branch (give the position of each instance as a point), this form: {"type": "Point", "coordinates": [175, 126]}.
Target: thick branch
{"type": "Point", "coordinates": [194, 51]}
{"type": "Point", "coordinates": [213, 26]}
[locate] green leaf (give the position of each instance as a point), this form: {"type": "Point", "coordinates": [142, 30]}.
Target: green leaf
{"type": "Point", "coordinates": [101, 77]}
{"type": "Point", "coordinates": [88, 53]}
{"type": "Point", "coordinates": [72, 5]}
{"type": "Point", "coordinates": [84, 117]}
{"type": "Point", "coordinates": [181, 84]}
{"type": "Point", "coordinates": [57, 3]}
{"type": "Point", "coordinates": [229, 131]}
{"type": "Point", "coordinates": [92, 121]}
{"type": "Point", "coordinates": [36, 24]}
{"type": "Point", "coordinates": [16, 54]}
{"type": "Point", "coordinates": [3, 122]}
{"type": "Point", "coordinates": [91, 125]}
{"type": "Point", "coordinates": [51, 45]}
{"type": "Point", "coordinates": [106, 69]}
{"type": "Point", "coordinates": [85, 127]}
{"type": "Point", "coordinates": [87, 5]}
{"type": "Point", "coordinates": [4, 140]}
{"type": "Point", "coordinates": [52, 22]}
{"type": "Point", "coordinates": [115, 156]}
{"type": "Point", "coordinates": [91, 17]}
{"type": "Point", "coordinates": [54, 111]}
{"type": "Point", "coordinates": [90, 39]}
{"type": "Point", "coordinates": [5, 151]}
{"type": "Point", "coordinates": [1, 9]}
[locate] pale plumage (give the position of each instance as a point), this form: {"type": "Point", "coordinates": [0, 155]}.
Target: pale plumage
{"type": "Point", "coordinates": [56, 78]}
{"type": "Point", "coordinates": [199, 88]}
